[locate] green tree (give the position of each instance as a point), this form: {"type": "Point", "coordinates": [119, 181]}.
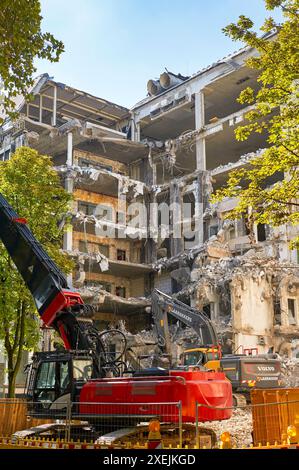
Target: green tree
{"type": "Point", "coordinates": [276, 112]}
{"type": "Point", "coordinates": [31, 185]}
{"type": "Point", "coordinates": [21, 42]}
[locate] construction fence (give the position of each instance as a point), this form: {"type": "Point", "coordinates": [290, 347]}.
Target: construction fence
{"type": "Point", "coordinates": [14, 416]}
{"type": "Point", "coordinates": [261, 424]}
{"type": "Point", "coordinates": [97, 424]}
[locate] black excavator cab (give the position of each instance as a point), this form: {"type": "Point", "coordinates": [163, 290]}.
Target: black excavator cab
{"type": "Point", "coordinates": [55, 380]}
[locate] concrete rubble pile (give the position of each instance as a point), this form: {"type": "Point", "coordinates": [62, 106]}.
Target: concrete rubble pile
{"type": "Point", "coordinates": [140, 344]}
{"type": "Point", "coordinates": [184, 258]}
{"type": "Point", "coordinates": [145, 343]}
{"type": "Point", "coordinates": [290, 372]}
{"type": "Point", "coordinates": [249, 263]}
{"type": "Point", "coordinates": [239, 426]}
{"type": "Point", "coordinates": [96, 296]}
{"type": "Point", "coordinates": [214, 271]}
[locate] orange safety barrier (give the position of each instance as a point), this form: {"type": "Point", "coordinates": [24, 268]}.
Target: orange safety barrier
{"type": "Point", "coordinates": [275, 411]}
{"type": "Point", "coordinates": [14, 416]}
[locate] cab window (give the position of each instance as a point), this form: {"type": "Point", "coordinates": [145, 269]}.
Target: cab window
{"type": "Point", "coordinates": [212, 356]}
{"type": "Point", "coordinates": [45, 391]}
{"type": "Point", "coordinates": [46, 376]}
{"type": "Point", "coordinates": [193, 358]}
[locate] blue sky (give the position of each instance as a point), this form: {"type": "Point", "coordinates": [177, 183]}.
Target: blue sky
{"type": "Point", "coordinates": [112, 47]}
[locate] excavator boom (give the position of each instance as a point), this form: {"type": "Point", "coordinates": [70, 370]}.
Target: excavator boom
{"type": "Point", "coordinates": [55, 302]}
{"type": "Point", "coordinates": [163, 305]}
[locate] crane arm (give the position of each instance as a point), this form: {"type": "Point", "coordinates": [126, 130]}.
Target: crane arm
{"type": "Point", "coordinates": [56, 303]}
{"type": "Point", "coordinates": [164, 305]}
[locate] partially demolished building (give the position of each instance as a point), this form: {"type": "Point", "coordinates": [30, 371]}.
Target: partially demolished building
{"type": "Point", "coordinates": [142, 217]}
{"type": "Point", "coordinates": [246, 281]}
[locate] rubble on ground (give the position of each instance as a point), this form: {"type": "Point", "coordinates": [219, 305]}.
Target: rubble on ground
{"type": "Point", "coordinates": [239, 426]}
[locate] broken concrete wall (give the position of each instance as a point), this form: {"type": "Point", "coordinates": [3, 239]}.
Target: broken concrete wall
{"type": "Point", "coordinates": [254, 300]}
{"type": "Point", "coordinates": [252, 311]}
{"type": "Point", "coordinates": [110, 309]}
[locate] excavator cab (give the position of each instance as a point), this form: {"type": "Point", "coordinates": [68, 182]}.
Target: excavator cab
{"type": "Point", "coordinates": [199, 356]}
{"type": "Point", "coordinates": [55, 379]}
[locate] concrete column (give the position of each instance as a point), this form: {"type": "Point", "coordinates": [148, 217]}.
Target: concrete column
{"type": "Point", "coordinates": [69, 160]}
{"type": "Point", "coordinates": [68, 234]}
{"type": "Point", "coordinates": [122, 209]}
{"type": "Point", "coordinates": [154, 174]}
{"type": "Point", "coordinates": [199, 123]}
{"type": "Point", "coordinates": [176, 242]}
{"type": "Point", "coordinates": [138, 132]}
{"type": "Point", "coordinates": [54, 107]}
{"type": "Point", "coordinates": [150, 245]}
{"type": "Point", "coordinates": [216, 310]}
{"type": "Point", "coordinates": [149, 173]}
{"type": "Point", "coordinates": [133, 129]}
{"type": "Point", "coordinates": [40, 108]}
{"type": "Point", "coordinates": [149, 283]}
{"type": "Point", "coordinates": [198, 196]}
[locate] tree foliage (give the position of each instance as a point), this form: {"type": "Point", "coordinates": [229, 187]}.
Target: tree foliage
{"type": "Point", "coordinates": [275, 112]}
{"type": "Point", "coordinates": [21, 42]}
{"type": "Point", "coordinates": [31, 185]}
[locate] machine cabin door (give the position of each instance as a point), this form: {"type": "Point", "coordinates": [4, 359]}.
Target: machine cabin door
{"type": "Point", "coordinates": [53, 384]}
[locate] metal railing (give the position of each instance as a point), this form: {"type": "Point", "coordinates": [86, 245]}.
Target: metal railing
{"type": "Point", "coordinates": [127, 424]}
{"type": "Point", "coordinates": [102, 423]}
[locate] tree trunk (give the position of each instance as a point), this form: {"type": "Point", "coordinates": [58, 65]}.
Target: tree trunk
{"type": "Point", "coordinates": [11, 385]}
{"type": "Point", "coordinates": [11, 375]}
{"type": "Point", "coordinates": [14, 353]}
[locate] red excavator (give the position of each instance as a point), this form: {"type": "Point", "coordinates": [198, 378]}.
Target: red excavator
{"type": "Point", "coordinates": [84, 374]}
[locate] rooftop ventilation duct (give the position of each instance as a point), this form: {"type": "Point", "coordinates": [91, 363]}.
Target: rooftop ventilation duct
{"type": "Point", "coordinates": [154, 87]}
{"type": "Point", "coordinates": [168, 79]}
